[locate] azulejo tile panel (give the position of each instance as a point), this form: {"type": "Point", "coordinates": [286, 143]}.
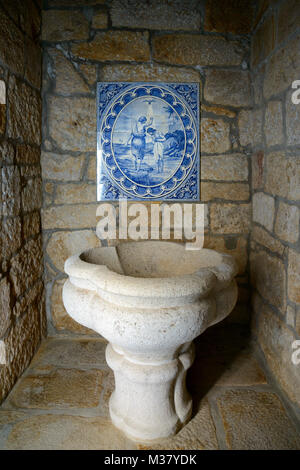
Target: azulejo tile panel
{"type": "Point", "coordinates": [148, 141]}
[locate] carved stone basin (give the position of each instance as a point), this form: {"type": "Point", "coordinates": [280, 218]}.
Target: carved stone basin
{"type": "Point", "coordinates": [149, 300]}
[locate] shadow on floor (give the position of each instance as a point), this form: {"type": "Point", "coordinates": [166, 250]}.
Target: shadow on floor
{"type": "Point", "coordinates": [216, 351]}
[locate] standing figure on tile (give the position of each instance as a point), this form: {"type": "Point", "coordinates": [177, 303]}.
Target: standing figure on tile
{"type": "Point", "coordinates": [158, 148]}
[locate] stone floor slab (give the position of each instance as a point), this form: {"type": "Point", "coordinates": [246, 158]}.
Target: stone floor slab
{"type": "Point", "coordinates": [108, 388]}
{"type": "Point", "coordinates": [256, 420]}
{"type": "Point", "coordinates": [9, 417]}
{"type": "Point", "coordinates": [67, 352]}
{"type": "Point", "coordinates": [59, 388]}
{"type": "Point", "coordinates": [60, 432]}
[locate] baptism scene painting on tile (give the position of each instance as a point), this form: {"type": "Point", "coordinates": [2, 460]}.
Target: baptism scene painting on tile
{"type": "Point", "coordinates": [147, 141]}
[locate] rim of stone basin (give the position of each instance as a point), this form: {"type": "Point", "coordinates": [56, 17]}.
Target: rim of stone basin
{"type": "Point", "coordinates": [105, 269]}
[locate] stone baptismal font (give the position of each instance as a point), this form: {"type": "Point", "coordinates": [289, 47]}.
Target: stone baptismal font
{"type": "Point", "coordinates": [150, 299]}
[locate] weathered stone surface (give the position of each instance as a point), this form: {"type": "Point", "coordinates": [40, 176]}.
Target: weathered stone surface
{"type": "Point", "coordinates": [287, 222]}
{"type": "Point", "coordinates": [7, 153]}
{"type": "Point", "coordinates": [32, 195]}
{"type": "Point", "coordinates": [233, 167]}
{"type": "Point", "coordinates": [43, 316]}
{"type": "Point", "coordinates": [10, 417]}
{"type": "Point", "coordinates": [62, 245]}
{"type": "Point", "coordinates": [238, 250]}
{"type": "Point", "coordinates": [230, 218]}
{"type": "Point", "coordinates": [28, 261]}
{"type": "Point", "coordinates": [218, 110]}
{"type": "Point", "coordinates": [263, 41]}
{"type": "Point", "coordinates": [10, 236]}
{"type": "Point", "coordinates": [69, 216]}
{"type": "Point", "coordinates": [290, 316]}
{"type": "Point", "coordinates": [72, 123]}
{"type": "Point", "coordinates": [263, 210]}
{"type": "Point", "coordinates": [26, 154]}
{"type": "Point", "coordinates": [282, 69]}
{"type": "Point", "coordinates": [275, 340]}
{"type": "Point", "coordinates": [49, 274]}
{"type": "Point", "coordinates": [248, 418]}
{"type": "Point", "coordinates": [236, 18]}
{"type": "Point", "coordinates": [31, 299]}
{"type": "Point", "coordinates": [10, 190]}
{"type": "Point", "coordinates": [288, 19]}
{"type": "Point", "coordinates": [115, 45]}
{"type": "Point", "coordinates": [3, 360]}
{"type": "Point", "coordinates": [61, 25]}
{"type": "Point", "coordinates": [61, 320]}
{"type": "Point", "coordinates": [5, 306]}
{"type": "Point", "coordinates": [214, 136]}
{"type": "Point", "coordinates": [90, 72]}
{"type": "Point", "coordinates": [49, 189]}
{"type": "Point", "coordinates": [100, 20]}
{"type": "Point", "coordinates": [11, 39]}
{"type": "Point", "coordinates": [24, 106]}
{"type": "Point", "coordinates": [225, 191]}
{"type": "Point", "coordinates": [294, 276]}
{"type": "Point", "coordinates": [60, 432]}
{"type": "Point", "coordinates": [60, 388]}
{"type": "Point", "coordinates": [24, 336]}
{"type": "Point", "coordinates": [75, 193]}
{"type": "Point", "coordinates": [33, 62]}
{"type": "Point", "coordinates": [269, 277]}
{"type": "Point", "coordinates": [61, 167]}
{"type": "Point", "coordinates": [224, 87]}
{"type": "Point", "coordinates": [29, 171]}
{"type": "Point", "coordinates": [92, 169]}
{"type": "Point", "coordinates": [292, 120]}
{"type": "Point", "coordinates": [274, 123]}
{"type": "Point", "coordinates": [148, 72]}
{"type": "Point", "coordinates": [262, 6]}
{"type": "Point", "coordinates": [191, 49]}
{"type": "Point", "coordinates": [15, 10]}
{"type": "Point", "coordinates": [108, 388]}
{"type": "Point", "coordinates": [31, 224]}
{"type": "Point", "coordinates": [283, 175]}
{"type": "Point", "coordinates": [257, 163]}
{"type": "Point", "coordinates": [297, 322]}
{"type": "Point", "coordinates": [264, 238]}
{"type": "Point", "coordinates": [67, 79]}
{"type": "Point", "coordinates": [250, 127]}
{"type": "Point", "coordinates": [199, 433]}
{"type": "Point", "coordinates": [157, 14]}
{"type": "Point", "coordinates": [2, 118]}
{"type": "Point", "coordinates": [67, 352]}
{"type": "Point", "coordinates": [257, 86]}
{"type": "Point", "coordinates": [32, 18]}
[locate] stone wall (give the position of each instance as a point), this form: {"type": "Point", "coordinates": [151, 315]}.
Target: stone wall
{"type": "Point", "coordinates": [22, 312]}
{"type": "Point", "coordinates": [275, 244]}
{"type": "Point", "coordinates": [179, 40]}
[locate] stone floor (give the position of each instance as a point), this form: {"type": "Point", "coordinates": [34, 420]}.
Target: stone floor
{"type": "Point", "coordinates": [61, 401]}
